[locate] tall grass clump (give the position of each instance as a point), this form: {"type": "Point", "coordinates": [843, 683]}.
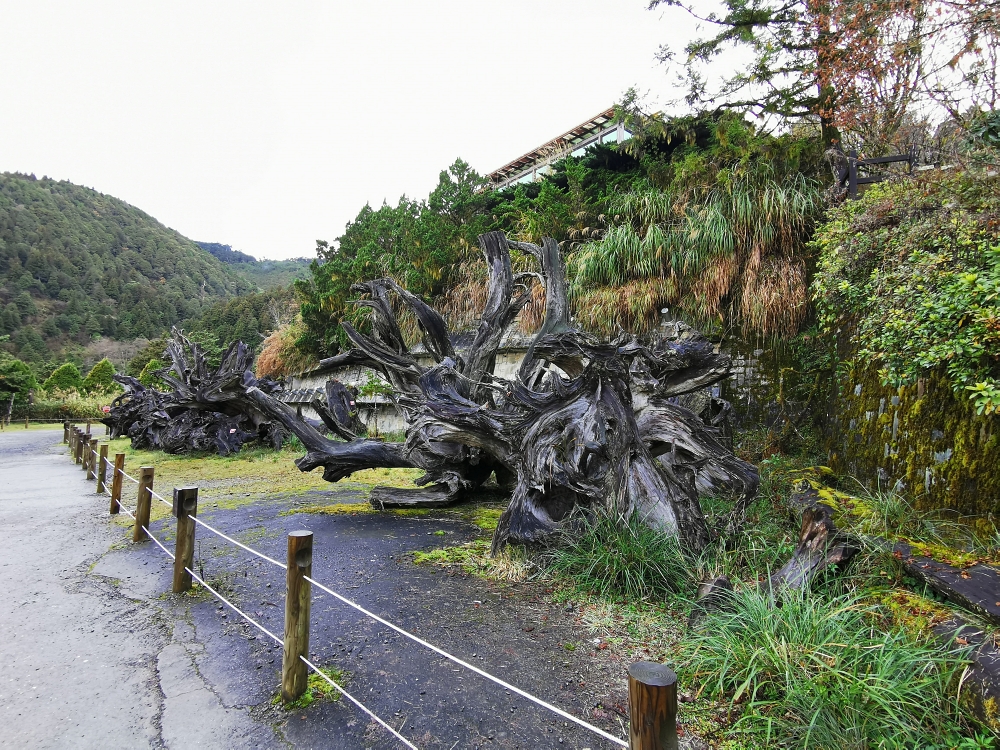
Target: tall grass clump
{"type": "Point", "coordinates": [622, 558]}
{"type": "Point", "coordinates": [825, 672]}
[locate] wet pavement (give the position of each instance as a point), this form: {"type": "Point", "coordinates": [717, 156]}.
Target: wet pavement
{"type": "Point", "coordinates": [93, 653]}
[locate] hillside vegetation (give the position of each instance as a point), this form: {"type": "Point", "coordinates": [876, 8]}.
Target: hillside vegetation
{"type": "Point", "coordinates": [266, 274]}
{"type": "Point", "coordinates": [76, 265]}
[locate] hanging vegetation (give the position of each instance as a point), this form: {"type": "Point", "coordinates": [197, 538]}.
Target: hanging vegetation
{"type": "Point", "coordinates": [731, 247]}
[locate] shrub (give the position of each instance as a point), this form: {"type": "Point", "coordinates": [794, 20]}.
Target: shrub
{"type": "Point", "coordinates": [64, 378]}
{"type": "Point", "coordinates": [148, 376]}
{"type": "Point", "coordinates": [16, 379]}
{"type": "Point", "coordinates": [911, 273]}
{"type": "Point", "coordinates": [100, 379]}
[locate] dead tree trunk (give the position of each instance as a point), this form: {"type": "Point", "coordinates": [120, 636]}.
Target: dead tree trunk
{"type": "Point", "coordinates": [207, 410]}
{"type": "Point", "coordinates": [565, 432]}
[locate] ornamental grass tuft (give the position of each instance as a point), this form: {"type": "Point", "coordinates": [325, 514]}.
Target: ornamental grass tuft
{"type": "Point", "coordinates": [825, 672]}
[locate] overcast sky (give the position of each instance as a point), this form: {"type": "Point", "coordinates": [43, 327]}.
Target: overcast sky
{"type": "Point", "coordinates": [268, 126]}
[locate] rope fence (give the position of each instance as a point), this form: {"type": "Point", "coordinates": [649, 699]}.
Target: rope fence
{"type": "Point", "coordinates": [652, 687]}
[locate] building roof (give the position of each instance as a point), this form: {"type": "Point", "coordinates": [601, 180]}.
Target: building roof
{"type": "Point", "coordinates": [563, 143]}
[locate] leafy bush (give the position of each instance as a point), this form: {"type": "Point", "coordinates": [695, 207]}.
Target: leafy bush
{"type": "Point", "coordinates": [148, 376]}
{"type": "Point", "coordinates": [910, 276]}
{"type": "Point", "coordinates": [825, 673]}
{"type": "Point", "coordinates": [64, 378]}
{"type": "Point", "coordinates": [100, 379]}
{"type": "Point", "coordinates": [611, 556]}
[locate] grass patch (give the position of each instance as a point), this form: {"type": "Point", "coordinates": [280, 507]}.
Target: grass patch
{"type": "Point", "coordinates": [254, 472]}
{"type": "Point", "coordinates": [825, 672]}
{"type": "Point", "coordinates": [317, 689]}
{"type": "Point", "coordinates": [511, 564]}
{"type": "Point", "coordinates": [613, 557]}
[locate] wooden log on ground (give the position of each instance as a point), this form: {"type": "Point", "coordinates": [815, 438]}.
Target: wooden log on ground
{"type": "Point", "coordinates": [975, 588]}
{"type": "Point", "coordinates": [820, 546]}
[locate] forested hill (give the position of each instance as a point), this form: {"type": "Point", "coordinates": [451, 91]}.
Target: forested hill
{"type": "Point", "coordinates": [267, 274]}
{"type": "Point", "coordinates": [76, 265]}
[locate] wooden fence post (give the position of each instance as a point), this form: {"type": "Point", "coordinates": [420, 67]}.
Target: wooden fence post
{"type": "Point", "coordinates": [85, 453]}
{"type": "Point", "coordinates": [185, 508]}
{"type": "Point", "coordinates": [91, 458]}
{"type": "Point", "coordinates": [102, 467]}
{"type": "Point", "coordinates": [65, 432]}
{"type": "Point", "coordinates": [88, 426]}
{"type": "Point", "coordinates": [116, 484]}
{"type": "Point", "coordinates": [298, 592]}
{"type": "Point", "coordinates": [142, 503]}
{"type": "Point", "coordinates": [652, 707]}
{"type": "Point", "coordinates": [69, 442]}
{"type": "Point", "coordinates": [78, 453]}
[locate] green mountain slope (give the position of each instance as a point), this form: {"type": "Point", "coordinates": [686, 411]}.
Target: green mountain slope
{"type": "Point", "coordinates": [266, 274]}
{"type": "Point", "coordinates": [76, 265]}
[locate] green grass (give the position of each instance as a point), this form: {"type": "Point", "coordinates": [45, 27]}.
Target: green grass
{"type": "Point", "coordinates": [824, 672]}
{"type": "Point", "coordinates": [317, 689]}
{"type": "Point", "coordinates": [615, 557]}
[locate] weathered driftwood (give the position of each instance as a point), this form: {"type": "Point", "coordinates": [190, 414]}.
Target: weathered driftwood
{"type": "Point", "coordinates": [207, 410]}
{"type": "Point", "coordinates": [821, 545]}
{"type": "Point", "coordinates": [564, 434]}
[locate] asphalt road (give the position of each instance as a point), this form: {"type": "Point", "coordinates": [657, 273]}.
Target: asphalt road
{"type": "Point", "coordinates": [85, 662]}
{"type": "Point", "coordinates": [95, 654]}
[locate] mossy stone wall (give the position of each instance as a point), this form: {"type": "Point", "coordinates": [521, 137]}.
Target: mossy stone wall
{"type": "Point", "coordinates": [923, 436]}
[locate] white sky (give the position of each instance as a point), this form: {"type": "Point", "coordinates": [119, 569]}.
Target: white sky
{"type": "Point", "coordinates": [267, 126]}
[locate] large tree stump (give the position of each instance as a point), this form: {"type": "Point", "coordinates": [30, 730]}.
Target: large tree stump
{"type": "Point", "coordinates": [564, 434]}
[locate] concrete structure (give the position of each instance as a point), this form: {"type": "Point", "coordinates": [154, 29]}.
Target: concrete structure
{"type": "Point", "coordinates": [535, 164]}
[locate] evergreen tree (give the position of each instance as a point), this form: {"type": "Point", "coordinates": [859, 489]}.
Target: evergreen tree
{"type": "Point", "coordinates": [100, 379]}
{"type": "Point", "coordinates": [66, 377]}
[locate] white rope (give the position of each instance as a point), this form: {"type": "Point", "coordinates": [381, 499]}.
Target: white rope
{"type": "Point", "coordinates": [150, 535]}
{"type": "Point", "coordinates": [236, 609]}
{"type": "Point", "coordinates": [308, 663]}
{"type": "Point", "coordinates": [252, 551]}
{"type": "Point", "coordinates": [122, 507]}
{"type": "Point", "coordinates": [159, 497]}
{"type": "Point", "coordinates": [131, 479]}
{"type": "Point", "coordinates": [360, 705]}
{"type": "Point", "coordinates": [477, 670]}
